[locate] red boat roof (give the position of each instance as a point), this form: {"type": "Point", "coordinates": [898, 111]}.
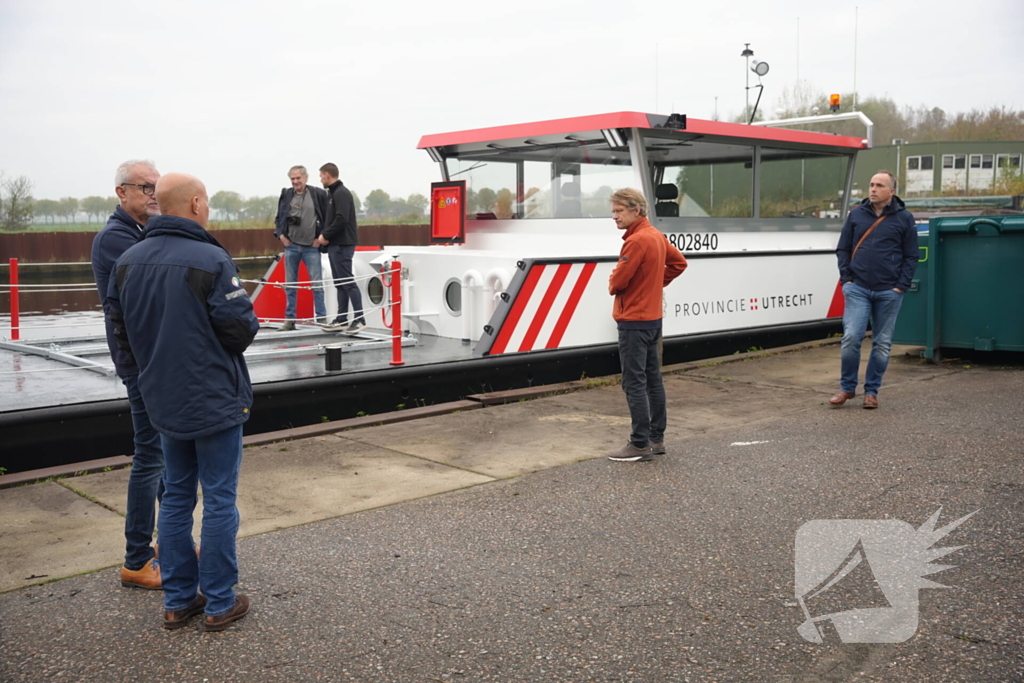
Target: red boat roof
{"type": "Point", "coordinates": [632, 119]}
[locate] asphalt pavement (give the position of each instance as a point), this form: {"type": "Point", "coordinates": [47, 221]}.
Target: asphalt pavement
{"type": "Point", "coordinates": [499, 545]}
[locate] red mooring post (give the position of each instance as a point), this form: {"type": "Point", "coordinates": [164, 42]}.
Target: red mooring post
{"type": "Point", "coordinates": [15, 324]}
{"type": "Point", "coordinates": [396, 313]}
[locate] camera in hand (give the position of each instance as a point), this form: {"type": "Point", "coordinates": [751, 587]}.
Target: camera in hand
{"type": "Point", "coordinates": [294, 220]}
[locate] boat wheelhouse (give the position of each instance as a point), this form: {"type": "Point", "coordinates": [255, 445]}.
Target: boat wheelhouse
{"type": "Point", "coordinates": [756, 210]}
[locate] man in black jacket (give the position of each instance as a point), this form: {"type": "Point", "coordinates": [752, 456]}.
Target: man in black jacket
{"type": "Point", "coordinates": [135, 185]}
{"type": "Point", "coordinates": [877, 255]}
{"type": "Point", "coordinates": [341, 235]}
{"type": "Point", "coordinates": [300, 218]}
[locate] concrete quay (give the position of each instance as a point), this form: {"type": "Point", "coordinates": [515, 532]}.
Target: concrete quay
{"type": "Point", "coordinates": [498, 544]}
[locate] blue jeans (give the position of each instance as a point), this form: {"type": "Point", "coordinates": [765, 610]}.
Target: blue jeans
{"type": "Point", "coordinates": [862, 305]}
{"type": "Point", "coordinates": [214, 462]}
{"type": "Point", "coordinates": [145, 482]}
{"type": "Point", "coordinates": [640, 356]}
{"type": "Point", "coordinates": [341, 267]}
{"type": "Point", "coordinates": [311, 257]}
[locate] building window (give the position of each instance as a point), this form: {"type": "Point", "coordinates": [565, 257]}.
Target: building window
{"type": "Point", "coordinates": [947, 161]}
{"type": "Point", "coordinates": [927, 162]}
{"type": "Point", "coordinates": [1011, 161]}
{"type": "Point", "coordinates": [986, 161]}
{"type": "Point", "coordinates": [975, 161]}
{"type": "Point", "coordinates": [960, 161]}
{"type": "Point", "coordinates": [913, 163]}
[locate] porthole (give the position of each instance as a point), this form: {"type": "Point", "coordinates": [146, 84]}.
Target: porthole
{"type": "Point", "coordinates": [375, 290]}
{"type": "Point", "coordinates": [453, 296]}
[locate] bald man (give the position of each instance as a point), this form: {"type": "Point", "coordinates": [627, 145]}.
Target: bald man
{"type": "Point", "coordinates": [178, 307]}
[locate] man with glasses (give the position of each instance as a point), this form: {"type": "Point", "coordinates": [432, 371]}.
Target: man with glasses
{"type": "Point", "coordinates": [135, 185]}
{"type": "Point", "coordinates": [300, 217]}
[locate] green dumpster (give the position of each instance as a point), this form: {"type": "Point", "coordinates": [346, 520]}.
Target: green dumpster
{"type": "Point", "coordinates": [964, 293]}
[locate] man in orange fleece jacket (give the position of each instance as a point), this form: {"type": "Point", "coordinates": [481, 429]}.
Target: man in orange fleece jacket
{"type": "Point", "coordinates": [647, 263]}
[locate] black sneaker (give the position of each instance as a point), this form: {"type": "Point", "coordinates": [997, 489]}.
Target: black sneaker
{"type": "Point", "coordinates": [631, 453]}
{"type": "Point", "coordinates": [356, 326]}
{"type": "Point", "coordinates": [336, 326]}
{"type": "Point", "coordinates": [658, 447]}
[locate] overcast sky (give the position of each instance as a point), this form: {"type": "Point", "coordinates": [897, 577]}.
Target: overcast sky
{"type": "Point", "coordinates": [236, 92]}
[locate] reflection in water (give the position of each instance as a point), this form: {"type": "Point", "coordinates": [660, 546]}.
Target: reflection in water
{"type": "Point", "coordinates": [73, 310]}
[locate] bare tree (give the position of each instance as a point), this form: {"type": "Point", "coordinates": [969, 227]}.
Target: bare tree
{"type": "Point", "coordinates": [16, 202]}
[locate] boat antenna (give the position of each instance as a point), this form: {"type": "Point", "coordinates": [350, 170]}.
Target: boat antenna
{"type": "Point", "coordinates": [748, 53]}
{"type": "Point", "coordinates": [856, 12]}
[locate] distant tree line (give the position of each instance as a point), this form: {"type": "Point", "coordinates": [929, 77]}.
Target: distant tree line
{"type": "Point", "coordinates": [892, 122]}
{"type": "Point", "coordinates": [19, 210]}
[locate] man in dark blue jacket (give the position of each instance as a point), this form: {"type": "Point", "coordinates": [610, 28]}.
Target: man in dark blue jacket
{"type": "Point", "coordinates": [134, 183]}
{"type": "Point", "coordinates": [877, 255]}
{"type": "Point", "coordinates": [300, 218]}
{"type": "Point", "coordinates": [179, 308]}
{"type": "Point", "coordinates": [341, 235]}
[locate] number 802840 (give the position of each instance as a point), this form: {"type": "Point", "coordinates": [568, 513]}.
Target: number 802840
{"type": "Point", "coordinates": [694, 242]}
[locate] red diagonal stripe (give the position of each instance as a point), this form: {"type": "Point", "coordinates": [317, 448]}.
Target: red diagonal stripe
{"type": "Point", "coordinates": [570, 306]}
{"type": "Point", "coordinates": [512, 319]}
{"type": "Point", "coordinates": [835, 309]}
{"type": "Point", "coordinates": [545, 306]}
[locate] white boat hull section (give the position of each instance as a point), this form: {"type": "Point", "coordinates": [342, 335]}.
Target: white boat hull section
{"type": "Point", "coordinates": [567, 305]}
{"type": "Point", "coordinates": [728, 288]}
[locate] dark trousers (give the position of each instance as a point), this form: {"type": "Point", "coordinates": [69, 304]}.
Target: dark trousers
{"type": "Point", "coordinates": [341, 269]}
{"type": "Point", "coordinates": [640, 356]}
{"type": "Point", "coordinates": [145, 482]}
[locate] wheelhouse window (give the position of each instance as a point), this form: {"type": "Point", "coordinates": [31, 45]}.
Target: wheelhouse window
{"type": "Point", "coordinates": [795, 183]}
{"type": "Point", "coordinates": [568, 176]}
{"type": "Point", "coordinates": [707, 179]}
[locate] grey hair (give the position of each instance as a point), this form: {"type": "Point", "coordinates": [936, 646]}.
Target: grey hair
{"type": "Point", "coordinates": [300, 169]}
{"type": "Point", "coordinates": [892, 179]}
{"type": "Point", "coordinates": [124, 171]}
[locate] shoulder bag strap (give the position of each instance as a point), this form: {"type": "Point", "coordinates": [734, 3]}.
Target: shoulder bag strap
{"type": "Point", "coordinates": [866, 233]}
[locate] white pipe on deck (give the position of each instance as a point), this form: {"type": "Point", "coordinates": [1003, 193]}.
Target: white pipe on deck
{"type": "Point", "coordinates": [471, 281]}
{"type": "Point", "coordinates": [494, 276]}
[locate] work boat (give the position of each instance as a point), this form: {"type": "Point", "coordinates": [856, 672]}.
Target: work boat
{"type": "Point", "coordinates": [525, 241]}
{"type": "Point", "coordinates": [513, 291]}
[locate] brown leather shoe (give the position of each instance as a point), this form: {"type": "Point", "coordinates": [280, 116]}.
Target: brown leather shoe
{"type": "Point", "coordinates": [870, 401]}
{"type": "Point", "coordinates": [180, 617]}
{"type": "Point", "coordinates": [148, 577]}
{"type": "Point", "coordinates": [221, 622]}
{"type": "Point", "coordinates": [839, 399]}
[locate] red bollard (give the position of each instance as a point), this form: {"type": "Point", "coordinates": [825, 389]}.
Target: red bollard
{"type": "Point", "coordinates": [396, 313]}
{"type": "Point", "coordinates": [15, 324]}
